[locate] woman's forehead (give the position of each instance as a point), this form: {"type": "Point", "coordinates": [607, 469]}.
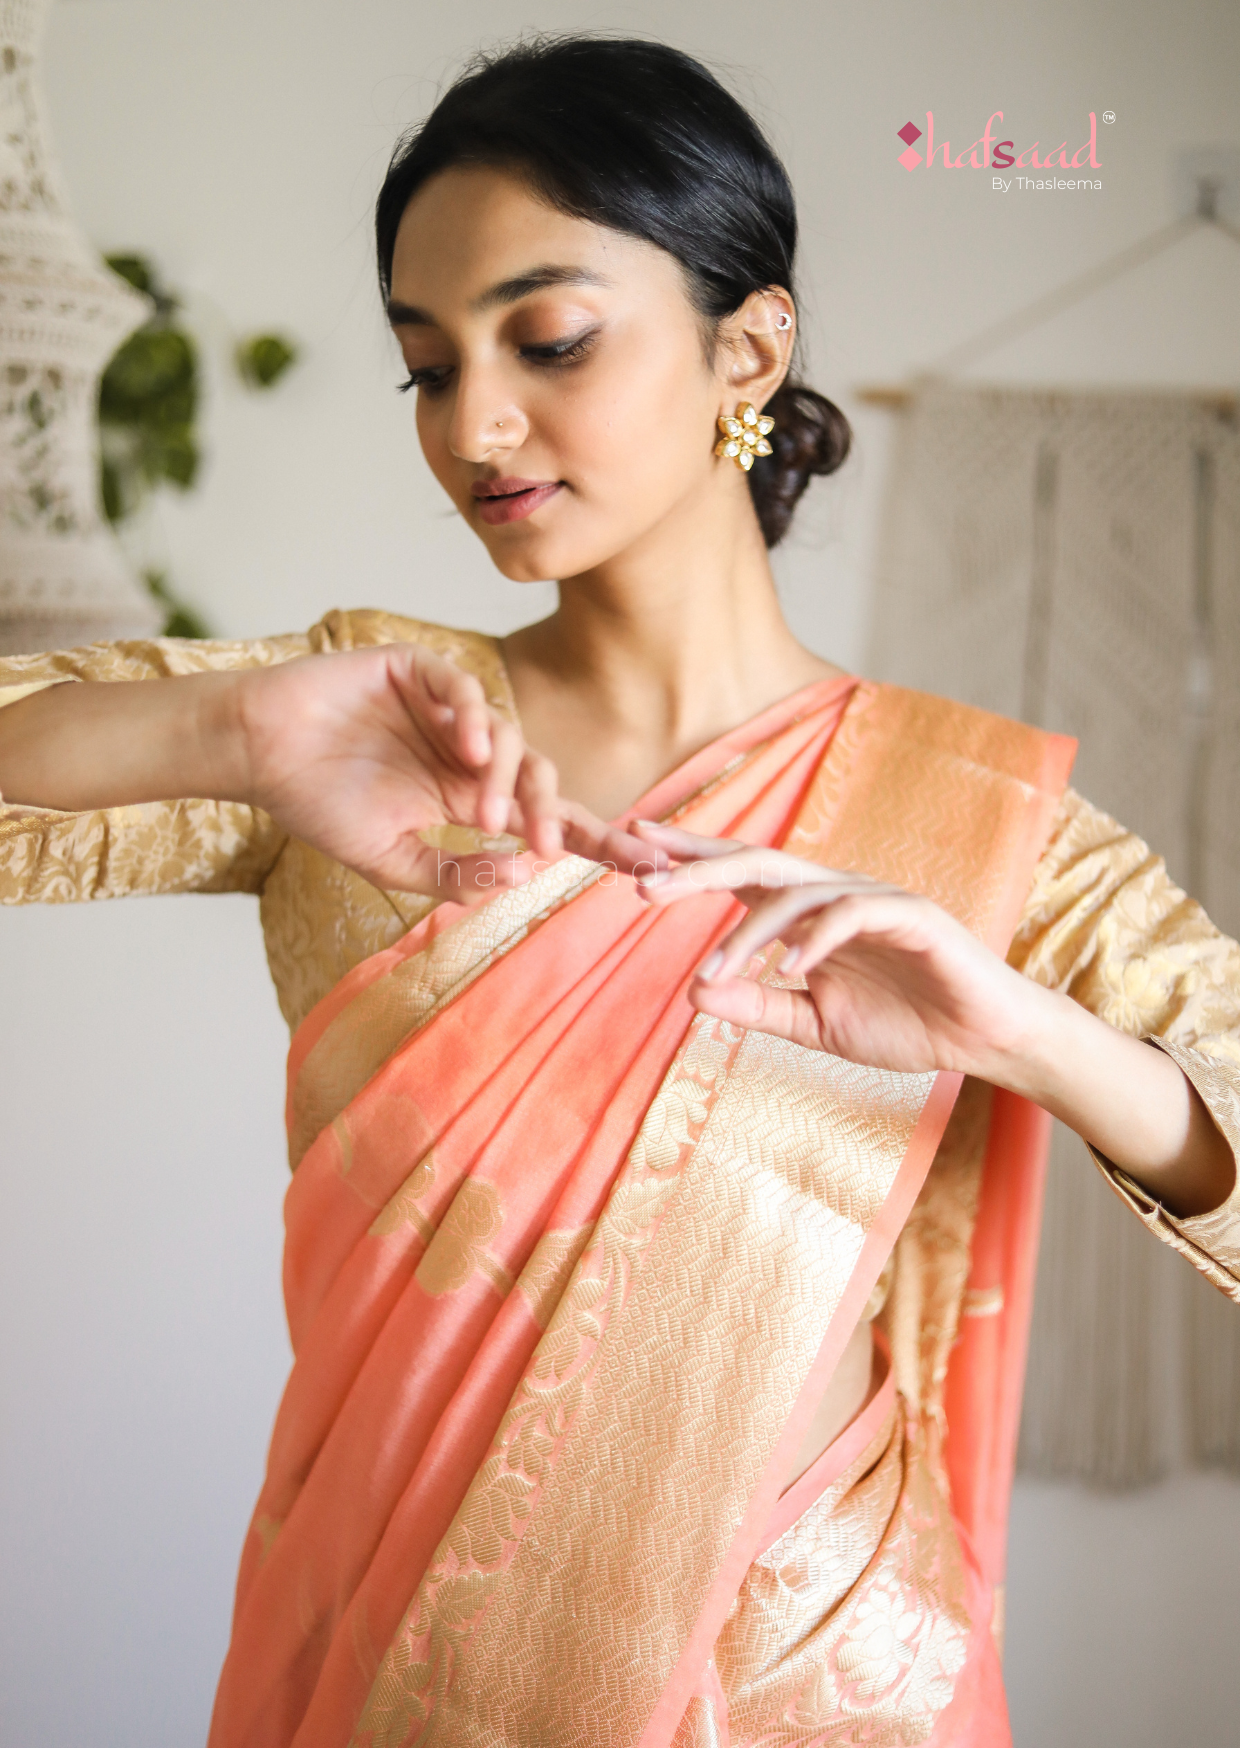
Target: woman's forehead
{"type": "Point", "coordinates": [472, 234]}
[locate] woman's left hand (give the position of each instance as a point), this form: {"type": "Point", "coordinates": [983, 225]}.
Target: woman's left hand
{"type": "Point", "coordinates": [892, 980]}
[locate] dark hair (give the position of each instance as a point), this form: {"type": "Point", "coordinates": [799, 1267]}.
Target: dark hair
{"type": "Point", "coordinates": [643, 139]}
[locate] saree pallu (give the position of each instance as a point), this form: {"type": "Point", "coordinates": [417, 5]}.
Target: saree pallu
{"type": "Point", "coordinates": [567, 1271]}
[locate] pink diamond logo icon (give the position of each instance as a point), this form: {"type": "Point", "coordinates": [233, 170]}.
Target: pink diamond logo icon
{"type": "Point", "coordinates": [909, 159]}
{"type": "Point", "coordinates": [908, 133]}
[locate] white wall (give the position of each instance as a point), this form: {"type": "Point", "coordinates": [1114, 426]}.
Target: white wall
{"type": "Point", "coordinates": [240, 142]}
{"type": "Point", "coordinates": [143, 1345]}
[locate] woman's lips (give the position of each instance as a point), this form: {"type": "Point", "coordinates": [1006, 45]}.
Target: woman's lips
{"type": "Point", "coordinates": [510, 500]}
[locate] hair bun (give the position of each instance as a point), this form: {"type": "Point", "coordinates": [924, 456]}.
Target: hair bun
{"type": "Point", "coordinates": [811, 436]}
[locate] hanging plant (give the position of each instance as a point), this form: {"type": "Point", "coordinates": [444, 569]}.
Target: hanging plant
{"type": "Point", "coordinates": [148, 408]}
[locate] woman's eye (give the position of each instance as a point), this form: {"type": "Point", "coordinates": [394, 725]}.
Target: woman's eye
{"type": "Point", "coordinates": [431, 377]}
{"type": "Point", "coordinates": [555, 354]}
{"type": "Point", "coordinates": [561, 352]}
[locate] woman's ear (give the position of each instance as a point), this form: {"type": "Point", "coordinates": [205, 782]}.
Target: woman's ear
{"type": "Point", "coordinates": [754, 347]}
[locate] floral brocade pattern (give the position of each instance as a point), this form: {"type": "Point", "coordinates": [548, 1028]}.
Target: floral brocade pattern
{"type": "Point", "coordinates": [405, 1207]}
{"type": "Point", "coordinates": [853, 1626]}
{"type": "Point", "coordinates": [49, 857]}
{"type": "Point", "coordinates": [1106, 924]}
{"type": "Point", "coordinates": [459, 1245]}
{"type": "Point", "coordinates": [546, 1275]}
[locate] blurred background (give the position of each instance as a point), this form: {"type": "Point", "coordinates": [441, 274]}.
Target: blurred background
{"type": "Point", "coordinates": [235, 148]}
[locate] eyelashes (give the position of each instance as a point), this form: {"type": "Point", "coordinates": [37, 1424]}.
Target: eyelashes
{"type": "Point", "coordinates": [561, 352]}
{"type": "Point", "coordinates": [428, 379]}
{"type": "Point", "coordinates": [555, 355]}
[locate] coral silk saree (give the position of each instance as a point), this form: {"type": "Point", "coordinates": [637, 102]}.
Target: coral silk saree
{"type": "Point", "coordinates": [568, 1268]}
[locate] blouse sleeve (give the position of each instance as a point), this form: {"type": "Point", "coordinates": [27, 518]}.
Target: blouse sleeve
{"type": "Point", "coordinates": [167, 846]}
{"type": "Point", "coordinates": [1105, 924]}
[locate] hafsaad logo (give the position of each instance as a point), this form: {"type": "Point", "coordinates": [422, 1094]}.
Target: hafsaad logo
{"type": "Point", "coordinates": [996, 154]}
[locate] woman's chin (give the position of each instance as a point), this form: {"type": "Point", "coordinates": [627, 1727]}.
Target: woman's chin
{"type": "Point", "coordinates": [536, 557]}
{"type": "Point", "coordinates": [522, 567]}
{"type": "Point", "coordinates": [525, 553]}
{"type": "Point", "coordinates": [521, 550]}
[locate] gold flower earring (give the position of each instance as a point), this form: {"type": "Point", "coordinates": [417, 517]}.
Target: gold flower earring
{"type": "Point", "coordinates": [744, 436]}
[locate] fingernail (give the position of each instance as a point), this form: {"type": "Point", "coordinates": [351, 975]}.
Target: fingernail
{"type": "Point", "coordinates": [655, 879]}
{"type": "Point", "coordinates": [650, 822]}
{"type": "Point", "coordinates": [710, 964]}
{"type": "Point", "coordinates": [791, 957]}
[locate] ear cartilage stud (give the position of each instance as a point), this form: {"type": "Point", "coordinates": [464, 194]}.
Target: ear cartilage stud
{"type": "Point", "coordinates": [744, 436]}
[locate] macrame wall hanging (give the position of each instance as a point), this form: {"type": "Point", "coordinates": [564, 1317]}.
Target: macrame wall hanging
{"type": "Point", "coordinates": [63, 579]}
{"type": "Point", "coordinates": [1073, 558]}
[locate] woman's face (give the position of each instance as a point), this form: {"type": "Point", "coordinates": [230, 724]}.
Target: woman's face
{"type": "Point", "coordinates": [565, 401]}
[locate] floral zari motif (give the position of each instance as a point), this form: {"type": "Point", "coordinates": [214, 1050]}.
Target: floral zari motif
{"type": "Point", "coordinates": [854, 1624]}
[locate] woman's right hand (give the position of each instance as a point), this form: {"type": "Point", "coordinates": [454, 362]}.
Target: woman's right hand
{"type": "Point", "coordinates": [358, 752]}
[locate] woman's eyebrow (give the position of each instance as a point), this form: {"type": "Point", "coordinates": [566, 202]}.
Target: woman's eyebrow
{"type": "Point", "coordinates": [505, 292]}
{"type": "Point", "coordinates": [537, 279]}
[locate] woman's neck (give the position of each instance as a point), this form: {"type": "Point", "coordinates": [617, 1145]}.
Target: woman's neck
{"type": "Point", "coordinates": [653, 656]}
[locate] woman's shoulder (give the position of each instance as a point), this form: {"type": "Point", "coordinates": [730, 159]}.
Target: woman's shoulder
{"type": "Point", "coordinates": [364, 627]}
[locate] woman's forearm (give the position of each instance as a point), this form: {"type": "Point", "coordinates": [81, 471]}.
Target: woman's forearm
{"type": "Point", "coordinates": [92, 744]}
{"type": "Point", "coordinates": [1127, 1099]}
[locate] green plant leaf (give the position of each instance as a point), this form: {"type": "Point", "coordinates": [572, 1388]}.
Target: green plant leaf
{"type": "Point", "coordinates": [152, 379]}
{"type": "Point", "coordinates": [135, 268]}
{"type": "Point", "coordinates": [263, 359]}
{"type": "Point", "coordinates": [170, 454]}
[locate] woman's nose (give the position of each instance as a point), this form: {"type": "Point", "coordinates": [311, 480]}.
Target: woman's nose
{"type": "Point", "coordinates": [484, 420]}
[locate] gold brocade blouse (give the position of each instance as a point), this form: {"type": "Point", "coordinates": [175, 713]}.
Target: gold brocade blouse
{"type": "Point", "coordinates": [1103, 922]}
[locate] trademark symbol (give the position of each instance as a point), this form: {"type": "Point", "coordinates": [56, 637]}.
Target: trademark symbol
{"type": "Point", "coordinates": [1108, 115]}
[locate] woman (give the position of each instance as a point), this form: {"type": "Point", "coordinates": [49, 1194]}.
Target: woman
{"type": "Point", "coordinates": [644, 1171]}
